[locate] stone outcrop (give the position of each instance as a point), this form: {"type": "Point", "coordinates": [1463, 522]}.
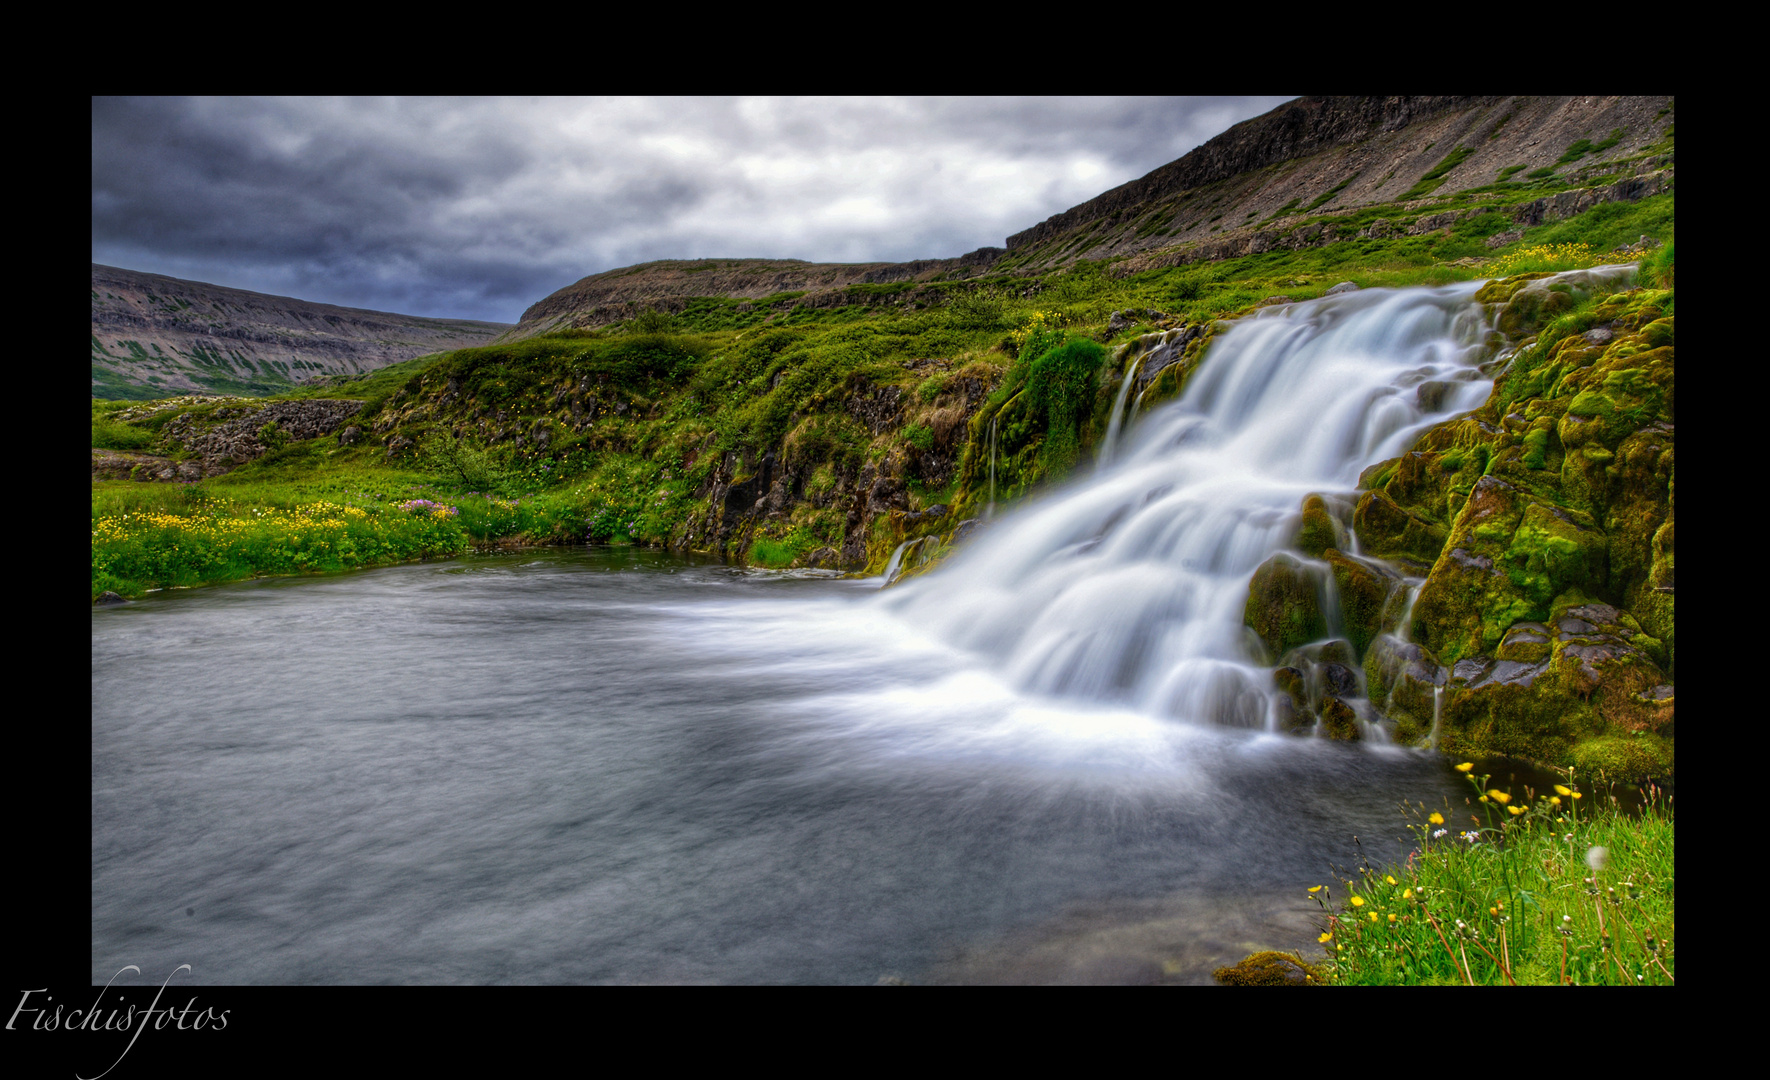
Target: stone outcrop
{"type": "Point", "coordinates": [213, 441]}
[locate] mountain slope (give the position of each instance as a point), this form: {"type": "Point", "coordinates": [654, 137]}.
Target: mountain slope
{"type": "Point", "coordinates": [1314, 171]}
{"type": "Point", "coordinates": [154, 335]}
{"type": "Point", "coordinates": [1338, 154]}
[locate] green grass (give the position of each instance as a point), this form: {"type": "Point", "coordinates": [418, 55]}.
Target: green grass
{"type": "Point", "coordinates": [1516, 887]}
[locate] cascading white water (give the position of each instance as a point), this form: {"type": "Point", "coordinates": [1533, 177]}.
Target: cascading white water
{"type": "Point", "coordinates": [989, 511]}
{"type": "Point", "coordinates": [1109, 444]}
{"type": "Point", "coordinates": [1127, 588]}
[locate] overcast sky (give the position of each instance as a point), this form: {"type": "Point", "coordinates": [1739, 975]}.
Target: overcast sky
{"type": "Point", "coordinates": [477, 208]}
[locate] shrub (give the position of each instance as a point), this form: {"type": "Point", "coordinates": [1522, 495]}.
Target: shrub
{"type": "Point", "coordinates": [462, 461]}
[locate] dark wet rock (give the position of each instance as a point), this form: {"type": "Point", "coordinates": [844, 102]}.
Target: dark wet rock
{"type": "Point", "coordinates": [1469, 670]}
{"type": "Point", "coordinates": [108, 598]}
{"type": "Point", "coordinates": [1293, 712]}
{"type": "Point", "coordinates": [238, 433]}
{"type": "Point", "coordinates": [1429, 397]}
{"type": "Point", "coordinates": [1342, 287]}
{"type": "Point", "coordinates": [350, 436]}
{"type": "Point", "coordinates": [968, 528]}
{"type": "Point", "coordinates": [1511, 673]}
{"type": "Point", "coordinates": [1339, 680]}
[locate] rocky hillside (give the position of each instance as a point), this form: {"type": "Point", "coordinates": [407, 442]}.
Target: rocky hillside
{"type": "Point", "coordinates": [668, 284]}
{"type": "Point", "coordinates": [1313, 172]}
{"type": "Point", "coordinates": [153, 336]}
{"type": "Point", "coordinates": [1314, 162]}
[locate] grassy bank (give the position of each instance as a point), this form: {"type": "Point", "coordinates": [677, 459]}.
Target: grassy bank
{"type": "Point", "coordinates": [1513, 887]}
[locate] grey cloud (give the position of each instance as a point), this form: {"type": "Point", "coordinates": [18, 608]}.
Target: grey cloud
{"type": "Point", "coordinates": [478, 207]}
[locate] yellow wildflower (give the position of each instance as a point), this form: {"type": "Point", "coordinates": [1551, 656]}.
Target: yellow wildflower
{"type": "Point", "coordinates": [1358, 901]}
{"type": "Point", "coordinates": [1499, 796]}
{"type": "Point", "coordinates": [1514, 810]}
{"type": "Point", "coordinates": [1436, 818]}
{"type": "Point", "coordinates": [1466, 766]}
{"type": "Point", "coordinates": [1407, 894]}
{"type": "Point", "coordinates": [1315, 888]}
{"type": "Point", "coordinates": [1559, 790]}
{"type": "Point", "coordinates": [1325, 938]}
{"type": "Point", "coordinates": [1391, 879]}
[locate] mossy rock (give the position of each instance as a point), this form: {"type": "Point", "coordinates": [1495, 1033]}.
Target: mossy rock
{"type": "Point", "coordinates": [1294, 715]}
{"type": "Point", "coordinates": [1603, 656]}
{"type": "Point", "coordinates": [1387, 530]}
{"type": "Point", "coordinates": [1468, 600]}
{"type": "Point", "coordinates": [1269, 969]}
{"type": "Point", "coordinates": [1362, 594]}
{"type": "Point", "coordinates": [1502, 290]}
{"type": "Point", "coordinates": [1318, 531]}
{"type": "Point", "coordinates": [1339, 720]}
{"type": "Point", "coordinates": [1638, 509]}
{"type": "Point", "coordinates": [1528, 301]}
{"type": "Point", "coordinates": [1626, 758]}
{"type": "Point", "coordinates": [1284, 605]}
{"type": "Point", "coordinates": [1512, 709]}
{"type": "Point", "coordinates": [1585, 676]}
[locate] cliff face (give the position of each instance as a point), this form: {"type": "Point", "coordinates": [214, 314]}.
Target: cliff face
{"type": "Point", "coordinates": [154, 335]}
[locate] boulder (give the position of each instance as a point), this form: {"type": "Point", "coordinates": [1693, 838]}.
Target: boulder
{"type": "Point", "coordinates": [1284, 604]}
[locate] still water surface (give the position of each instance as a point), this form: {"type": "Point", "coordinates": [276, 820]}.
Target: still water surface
{"type": "Point", "coordinates": [613, 765]}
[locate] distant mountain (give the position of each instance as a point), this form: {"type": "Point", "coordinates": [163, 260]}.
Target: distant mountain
{"type": "Point", "coordinates": [153, 336]}
{"type": "Point", "coordinates": [1312, 172]}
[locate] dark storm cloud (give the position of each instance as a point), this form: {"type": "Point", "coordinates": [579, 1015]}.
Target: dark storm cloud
{"type": "Point", "coordinates": [478, 207]}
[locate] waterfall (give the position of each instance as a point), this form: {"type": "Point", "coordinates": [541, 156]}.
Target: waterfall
{"type": "Point", "coordinates": [1110, 442]}
{"type": "Point", "coordinates": [890, 574]}
{"type": "Point", "coordinates": [989, 511]}
{"type": "Point", "coordinates": [1127, 588]}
